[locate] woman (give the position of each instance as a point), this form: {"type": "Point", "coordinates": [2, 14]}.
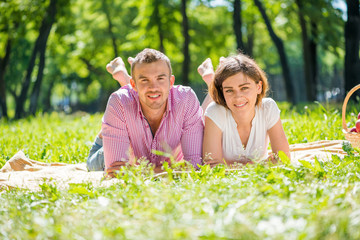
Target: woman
{"type": "Point", "coordinates": [241, 122]}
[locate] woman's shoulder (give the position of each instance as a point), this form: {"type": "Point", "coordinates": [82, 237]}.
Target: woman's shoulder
{"type": "Point", "coordinates": [268, 104]}
{"type": "Point", "coordinates": [213, 108]}
{"type": "Point", "coordinates": [268, 101]}
{"type": "Point", "coordinates": [270, 112]}
{"type": "Point", "coordinates": [218, 114]}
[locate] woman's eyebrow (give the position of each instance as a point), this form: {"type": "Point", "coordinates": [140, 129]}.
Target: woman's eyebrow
{"type": "Point", "coordinates": [238, 86]}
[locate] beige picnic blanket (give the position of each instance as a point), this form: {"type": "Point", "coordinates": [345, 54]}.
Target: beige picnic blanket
{"type": "Point", "coordinates": [22, 172]}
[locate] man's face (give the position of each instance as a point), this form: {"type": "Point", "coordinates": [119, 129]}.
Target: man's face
{"type": "Point", "coordinates": [153, 82]}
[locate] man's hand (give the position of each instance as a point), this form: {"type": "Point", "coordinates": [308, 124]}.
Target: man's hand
{"type": "Point", "coordinates": [118, 70]}
{"type": "Point", "coordinates": [114, 167]}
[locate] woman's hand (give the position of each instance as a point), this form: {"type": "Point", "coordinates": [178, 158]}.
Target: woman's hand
{"type": "Point", "coordinates": [278, 141]}
{"type": "Point", "coordinates": [213, 162]}
{"type": "Point", "coordinates": [243, 160]}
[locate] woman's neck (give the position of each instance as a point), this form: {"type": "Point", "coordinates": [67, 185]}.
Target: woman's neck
{"type": "Point", "coordinates": [244, 119]}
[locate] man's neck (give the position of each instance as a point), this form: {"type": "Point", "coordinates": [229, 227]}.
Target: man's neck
{"type": "Point", "coordinates": [154, 117]}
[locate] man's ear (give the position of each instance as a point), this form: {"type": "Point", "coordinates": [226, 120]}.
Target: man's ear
{"type": "Point", "coordinates": [172, 81]}
{"type": "Point", "coordinates": [132, 83]}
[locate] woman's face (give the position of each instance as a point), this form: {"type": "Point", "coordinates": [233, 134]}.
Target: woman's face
{"type": "Point", "coordinates": [240, 92]}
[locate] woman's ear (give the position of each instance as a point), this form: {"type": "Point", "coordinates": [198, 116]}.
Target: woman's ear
{"type": "Point", "coordinates": [259, 87]}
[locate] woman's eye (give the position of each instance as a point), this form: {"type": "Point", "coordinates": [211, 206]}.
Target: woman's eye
{"type": "Point", "coordinates": [229, 91]}
{"type": "Point", "coordinates": [244, 88]}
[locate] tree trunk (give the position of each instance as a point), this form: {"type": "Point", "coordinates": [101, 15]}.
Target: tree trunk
{"type": "Point", "coordinates": [47, 98]}
{"type": "Point", "coordinates": [307, 55]}
{"type": "Point", "coordinates": [3, 64]}
{"type": "Point", "coordinates": [186, 63]}
{"type": "Point", "coordinates": [20, 100]}
{"type": "Point", "coordinates": [290, 92]}
{"type": "Point", "coordinates": [250, 38]}
{"type": "Point", "coordinates": [44, 31]}
{"type": "Point", "coordinates": [352, 37]}
{"type": "Point", "coordinates": [237, 24]}
{"type": "Point", "coordinates": [157, 18]}
{"type": "Point", "coordinates": [110, 28]}
{"type": "Point", "coordinates": [37, 85]}
{"type": "Point", "coordinates": [50, 19]}
{"type": "Point", "coordinates": [313, 57]}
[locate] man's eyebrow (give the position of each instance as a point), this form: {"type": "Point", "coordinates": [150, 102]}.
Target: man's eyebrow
{"type": "Point", "coordinates": [160, 75]}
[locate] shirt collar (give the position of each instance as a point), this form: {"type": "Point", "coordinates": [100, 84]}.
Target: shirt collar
{"type": "Point", "coordinates": [170, 99]}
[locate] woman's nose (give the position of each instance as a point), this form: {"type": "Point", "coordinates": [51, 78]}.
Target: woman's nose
{"type": "Point", "coordinates": [238, 94]}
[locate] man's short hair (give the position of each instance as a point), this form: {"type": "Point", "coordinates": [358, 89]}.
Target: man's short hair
{"type": "Point", "coordinates": [149, 55]}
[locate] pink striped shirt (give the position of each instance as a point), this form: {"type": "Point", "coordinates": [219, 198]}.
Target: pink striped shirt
{"type": "Point", "coordinates": [124, 126]}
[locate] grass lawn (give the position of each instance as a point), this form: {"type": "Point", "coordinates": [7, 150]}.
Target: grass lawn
{"type": "Point", "coordinates": [313, 201]}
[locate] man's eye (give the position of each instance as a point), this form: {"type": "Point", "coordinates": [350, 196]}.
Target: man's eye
{"type": "Point", "coordinates": [244, 88]}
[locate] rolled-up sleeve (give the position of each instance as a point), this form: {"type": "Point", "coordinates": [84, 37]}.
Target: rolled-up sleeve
{"type": "Point", "coordinates": [115, 133]}
{"type": "Point", "coordinates": [193, 131]}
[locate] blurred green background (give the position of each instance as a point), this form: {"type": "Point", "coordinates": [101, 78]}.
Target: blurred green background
{"type": "Point", "coordinates": [53, 53]}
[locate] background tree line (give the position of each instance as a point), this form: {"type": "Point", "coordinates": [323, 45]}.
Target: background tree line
{"type": "Point", "coordinates": [53, 52]}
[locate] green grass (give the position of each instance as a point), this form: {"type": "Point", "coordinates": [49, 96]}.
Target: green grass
{"type": "Point", "coordinates": [50, 138]}
{"type": "Point", "coordinates": [312, 201]}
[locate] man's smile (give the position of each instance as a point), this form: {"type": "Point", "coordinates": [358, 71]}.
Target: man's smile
{"type": "Point", "coordinates": [154, 96]}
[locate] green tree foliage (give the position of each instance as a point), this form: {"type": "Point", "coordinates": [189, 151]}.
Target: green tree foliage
{"type": "Point", "coordinates": [352, 41]}
{"type": "Point", "coordinates": [88, 34]}
{"type": "Point", "coordinates": [321, 25]}
{"type": "Point", "coordinates": [18, 22]}
{"type": "Point", "coordinates": [279, 43]}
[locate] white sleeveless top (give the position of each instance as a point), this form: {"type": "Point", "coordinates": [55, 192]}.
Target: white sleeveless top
{"type": "Point", "coordinates": [266, 116]}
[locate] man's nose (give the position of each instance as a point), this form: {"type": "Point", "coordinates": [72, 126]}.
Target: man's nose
{"type": "Point", "coordinates": [153, 84]}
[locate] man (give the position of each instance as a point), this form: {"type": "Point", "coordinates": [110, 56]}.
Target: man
{"type": "Point", "coordinates": [150, 114]}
